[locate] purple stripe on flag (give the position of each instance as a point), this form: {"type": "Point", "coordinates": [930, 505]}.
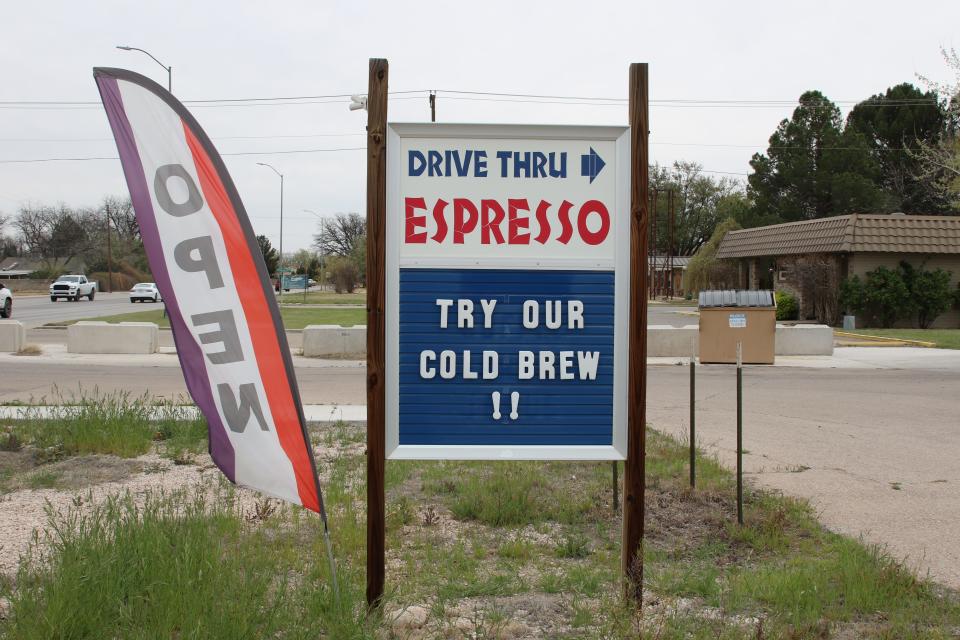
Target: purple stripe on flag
{"type": "Point", "coordinates": [189, 352]}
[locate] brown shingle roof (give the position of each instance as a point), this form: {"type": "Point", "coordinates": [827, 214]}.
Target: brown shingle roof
{"type": "Point", "coordinates": [896, 233]}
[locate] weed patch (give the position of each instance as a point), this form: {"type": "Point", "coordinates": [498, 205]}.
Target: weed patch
{"type": "Point", "coordinates": [116, 423]}
{"type": "Point", "coordinates": [474, 550]}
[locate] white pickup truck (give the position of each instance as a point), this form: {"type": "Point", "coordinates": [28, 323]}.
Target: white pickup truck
{"type": "Point", "coordinates": [6, 302]}
{"type": "Point", "coordinates": [72, 287]}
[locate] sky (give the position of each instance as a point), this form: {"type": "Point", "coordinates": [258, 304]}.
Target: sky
{"type": "Point", "coordinates": [753, 59]}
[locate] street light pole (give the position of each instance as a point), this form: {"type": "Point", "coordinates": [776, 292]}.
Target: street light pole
{"type": "Point", "coordinates": [168, 69]}
{"type": "Point", "coordinates": [280, 266]}
{"type": "Point", "coordinates": [323, 257]}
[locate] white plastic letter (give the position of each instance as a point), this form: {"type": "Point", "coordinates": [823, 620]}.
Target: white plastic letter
{"type": "Point", "coordinates": [448, 364]}
{"type": "Point", "coordinates": [547, 371]}
{"type": "Point", "coordinates": [488, 307]}
{"type": "Point", "coordinates": [467, 374]}
{"type": "Point", "coordinates": [491, 365]}
{"type": "Point", "coordinates": [531, 314]}
{"type": "Point", "coordinates": [553, 314]}
{"type": "Point", "coordinates": [566, 362]}
{"type": "Point", "coordinates": [575, 314]}
{"type": "Point", "coordinates": [525, 365]}
{"type": "Point", "coordinates": [444, 306]}
{"type": "Point", "coordinates": [465, 314]}
{"type": "Point", "coordinates": [588, 364]}
{"type": "Point", "coordinates": [427, 371]}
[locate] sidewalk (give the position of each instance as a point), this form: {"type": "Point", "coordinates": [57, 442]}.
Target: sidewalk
{"type": "Point", "coordinates": [842, 358]}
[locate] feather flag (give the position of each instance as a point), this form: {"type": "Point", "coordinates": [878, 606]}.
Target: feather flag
{"type": "Point", "coordinates": [210, 272]}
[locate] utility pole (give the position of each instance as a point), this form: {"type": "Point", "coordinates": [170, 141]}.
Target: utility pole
{"type": "Point", "coordinates": [109, 253]}
{"type": "Point", "coordinates": [433, 106]}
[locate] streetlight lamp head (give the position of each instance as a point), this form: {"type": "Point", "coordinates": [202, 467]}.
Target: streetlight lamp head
{"type": "Point", "coordinates": [125, 48]}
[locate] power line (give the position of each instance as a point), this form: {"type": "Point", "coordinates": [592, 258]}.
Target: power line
{"type": "Point", "coordinates": [269, 137]}
{"type": "Point", "coordinates": [490, 96]}
{"type": "Point", "coordinates": [236, 153]}
{"type": "Point", "coordinates": [200, 101]}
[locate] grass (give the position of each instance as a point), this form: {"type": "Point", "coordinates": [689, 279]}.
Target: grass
{"type": "Point", "coordinates": [471, 543]}
{"type": "Point", "coordinates": [941, 338]}
{"type": "Point", "coordinates": [324, 297]}
{"type": "Point", "coordinates": [115, 424]}
{"type": "Point", "coordinates": [293, 318]}
{"type": "Point", "coordinates": [184, 565]}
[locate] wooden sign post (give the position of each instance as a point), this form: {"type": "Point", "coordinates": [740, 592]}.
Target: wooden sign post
{"type": "Point", "coordinates": [489, 227]}
{"type": "Point", "coordinates": [634, 476]}
{"type": "Point", "coordinates": [376, 327]}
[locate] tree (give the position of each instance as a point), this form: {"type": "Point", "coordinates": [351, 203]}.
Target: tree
{"type": "Point", "coordinates": [7, 246]}
{"type": "Point", "coordinates": [270, 256]}
{"type": "Point", "coordinates": [940, 162]}
{"type": "Point", "coordinates": [306, 263]}
{"type": "Point", "coordinates": [55, 235]}
{"type": "Point", "coordinates": [338, 236]}
{"type": "Point", "coordinates": [125, 248]}
{"type": "Point", "coordinates": [813, 168]}
{"type": "Point", "coordinates": [895, 125]}
{"type": "Point", "coordinates": [359, 258]}
{"type": "Point", "coordinates": [704, 271]}
{"type": "Point", "coordinates": [697, 205]}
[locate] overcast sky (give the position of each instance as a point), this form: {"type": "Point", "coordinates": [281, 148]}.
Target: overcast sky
{"type": "Point", "coordinates": [705, 50]}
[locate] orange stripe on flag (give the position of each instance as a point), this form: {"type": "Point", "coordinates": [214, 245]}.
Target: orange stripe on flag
{"type": "Point", "coordinates": [263, 333]}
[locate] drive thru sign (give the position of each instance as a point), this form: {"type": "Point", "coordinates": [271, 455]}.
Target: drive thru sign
{"type": "Point", "coordinates": [507, 291]}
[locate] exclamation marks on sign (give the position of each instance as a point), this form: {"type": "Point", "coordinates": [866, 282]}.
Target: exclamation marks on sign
{"type": "Point", "coordinates": [514, 405]}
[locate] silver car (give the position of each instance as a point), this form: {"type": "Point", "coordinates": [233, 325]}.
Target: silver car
{"type": "Point", "coordinates": [145, 292]}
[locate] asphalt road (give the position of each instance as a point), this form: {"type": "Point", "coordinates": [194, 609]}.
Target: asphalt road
{"type": "Point", "coordinates": [34, 311]}
{"type": "Point", "coordinates": [673, 315]}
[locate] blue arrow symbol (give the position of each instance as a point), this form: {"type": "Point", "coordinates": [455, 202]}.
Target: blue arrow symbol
{"type": "Point", "coordinates": [591, 164]}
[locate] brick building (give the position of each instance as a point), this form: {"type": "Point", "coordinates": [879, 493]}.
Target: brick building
{"type": "Point", "coordinates": [811, 258]}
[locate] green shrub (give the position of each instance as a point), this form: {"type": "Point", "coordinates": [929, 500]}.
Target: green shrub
{"type": "Point", "coordinates": [344, 274]}
{"type": "Point", "coordinates": [889, 295]}
{"type": "Point", "coordinates": [883, 296]}
{"type": "Point", "coordinates": [929, 292]}
{"type": "Point", "coordinates": [787, 307]}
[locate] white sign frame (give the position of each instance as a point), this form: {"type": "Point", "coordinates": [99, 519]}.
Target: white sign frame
{"type": "Point", "coordinates": [620, 135]}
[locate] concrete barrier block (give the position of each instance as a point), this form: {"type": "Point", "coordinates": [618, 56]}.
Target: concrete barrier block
{"type": "Point", "coordinates": [804, 340]}
{"type": "Point", "coordinates": [13, 336]}
{"type": "Point", "coordinates": [664, 341]}
{"type": "Point", "coordinates": [103, 337]}
{"type": "Point", "coordinates": [333, 340]}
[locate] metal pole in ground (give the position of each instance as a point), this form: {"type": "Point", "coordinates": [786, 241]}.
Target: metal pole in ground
{"type": "Point", "coordinates": [616, 488]}
{"type": "Point", "coordinates": [739, 433]}
{"type": "Point", "coordinates": [693, 418]}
